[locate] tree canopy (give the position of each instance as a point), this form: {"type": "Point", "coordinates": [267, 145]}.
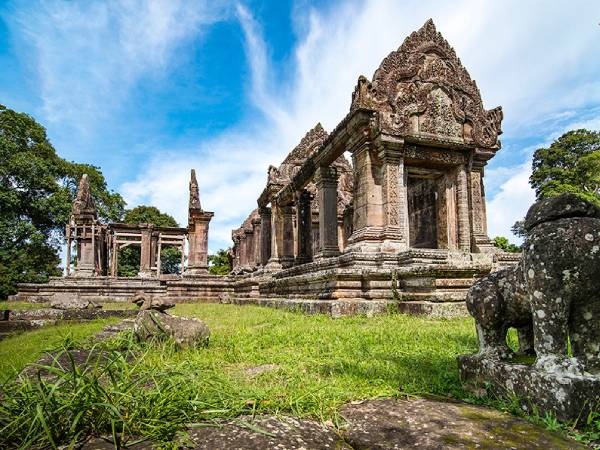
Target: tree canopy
{"type": "Point", "coordinates": [37, 188]}
{"type": "Point", "coordinates": [219, 263]}
{"type": "Point", "coordinates": [570, 164]}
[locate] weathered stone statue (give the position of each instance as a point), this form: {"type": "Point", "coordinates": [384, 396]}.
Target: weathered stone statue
{"type": "Point", "coordinates": [552, 297]}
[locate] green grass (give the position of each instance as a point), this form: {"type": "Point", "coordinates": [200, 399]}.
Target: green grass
{"type": "Point", "coordinates": [22, 305]}
{"type": "Point", "coordinates": [322, 364]}
{"type": "Point", "coordinates": [24, 348]}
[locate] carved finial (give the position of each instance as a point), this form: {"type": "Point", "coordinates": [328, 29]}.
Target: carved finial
{"type": "Point", "coordinates": [84, 202]}
{"type": "Point", "coordinates": [429, 26]}
{"type": "Point", "coordinates": [194, 192]}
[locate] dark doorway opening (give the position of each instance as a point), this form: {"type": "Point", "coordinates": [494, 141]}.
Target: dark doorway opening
{"type": "Point", "coordinates": [422, 212]}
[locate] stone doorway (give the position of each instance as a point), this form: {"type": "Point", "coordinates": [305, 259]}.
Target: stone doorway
{"type": "Point", "coordinates": [422, 211]}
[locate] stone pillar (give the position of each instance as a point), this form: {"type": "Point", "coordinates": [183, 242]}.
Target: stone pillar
{"type": "Point", "coordinates": [236, 250]}
{"type": "Point", "coordinates": [83, 219]}
{"type": "Point", "coordinates": [326, 181]}
{"type": "Point", "coordinates": [256, 242]}
{"type": "Point", "coordinates": [368, 203]}
{"type": "Point", "coordinates": [395, 200]}
{"type": "Point", "coordinates": [481, 241]}
{"type": "Point", "coordinates": [286, 254]}
{"type": "Point", "coordinates": [198, 222]}
{"type": "Point", "coordinates": [276, 238]}
{"type": "Point", "coordinates": [249, 238]}
{"type": "Point", "coordinates": [462, 210]}
{"type": "Point", "coordinates": [304, 221]}
{"type": "Point", "coordinates": [146, 250]}
{"type": "Point", "coordinates": [265, 238]}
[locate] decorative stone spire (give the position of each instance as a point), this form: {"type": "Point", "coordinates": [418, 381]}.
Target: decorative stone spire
{"type": "Point", "coordinates": [84, 205]}
{"type": "Point", "coordinates": [194, 193]}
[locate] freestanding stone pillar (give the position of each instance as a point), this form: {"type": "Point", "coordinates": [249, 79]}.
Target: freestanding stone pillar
{"type": "Point", "coordinates": [146, 250]}
{"type": "Point", "coordinates": [304, 221]}
{"type": "Point", "coordinates": [198, 221]}
{"type": "Point", "coordinates": [83, 219]}
{"type": "Point", "coordinates": [326, 181]}
{"type": "Point", "coordinates": [276, 239]}
{"type": "Point", "coordinates": [265, 235]}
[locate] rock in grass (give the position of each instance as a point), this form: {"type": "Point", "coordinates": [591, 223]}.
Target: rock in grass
{"type": "Point", "coordinates": [66, 301]}
{"type": "Point", "coordinates": [186, 332]}
{"type": "Point", "coordinates": [145, 301]}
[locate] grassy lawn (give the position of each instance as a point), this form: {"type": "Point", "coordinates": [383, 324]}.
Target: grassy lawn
{"type": "Point", "coordinates": [21, 349]}
{"type": "Point", "coordinates": [317, 364]}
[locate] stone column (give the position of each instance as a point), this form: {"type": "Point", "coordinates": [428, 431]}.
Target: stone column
{"type": "Point", "coordinates": [481, 241]}
{"type": "Point", "coordinates": [146, 250]}
{"type": "Point", "coordinates": [256, 242]}
{"type": "Point", "coordinates": [83, 218]}
{"type": "Point", "coordinates": [462, 210]}
{"type": "Point", "coordinates": [326, 181]}
{"type": "Point", "coordinates": [276, 238]}
{"type": "Point", "coordinates": [265, 232]}
{"type": "Point", "coordinates": [304, 221]}
{"type": "Point", "coordinates": [368, 204]}
{"type": "Point", "coordinates": [395, 200]}
{"type": "Point", "coordinates": [286, 255]}
{"type": "Point", "coordinates": [198, 222]}
{"type": "Point", "coordinates": [249, 235]}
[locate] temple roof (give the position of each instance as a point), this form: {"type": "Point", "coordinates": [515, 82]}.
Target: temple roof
{"type": "Point", "coordinates": [423, 89]}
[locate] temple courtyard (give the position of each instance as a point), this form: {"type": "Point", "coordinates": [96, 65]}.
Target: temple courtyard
{"type": "Point", "coordinates": [268, 378]}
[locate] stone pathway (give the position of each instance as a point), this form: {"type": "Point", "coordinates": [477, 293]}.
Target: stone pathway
{"type": "Point", "coordinates": [377, 424]}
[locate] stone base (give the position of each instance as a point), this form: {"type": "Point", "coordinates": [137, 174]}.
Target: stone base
{"type": "Point", "coordinates": [567, 397]}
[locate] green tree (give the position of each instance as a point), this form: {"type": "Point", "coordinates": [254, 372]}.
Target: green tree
{"type": "Point", "coordinates": [129, 257]}
{"type": "Point", "coordinates": [570, 164]}
{"type": "Point", "coordinates": [37, 188]}
{"type": "Point", "coordinates": [503, 244]}
{"type": "Point", "coordinates": [220, 262]}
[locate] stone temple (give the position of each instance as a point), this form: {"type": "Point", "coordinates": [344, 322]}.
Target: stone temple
{"type": "Point", "coordinates": [387, 209]}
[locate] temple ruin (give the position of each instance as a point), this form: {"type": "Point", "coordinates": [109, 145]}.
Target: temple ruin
{"type": "Point", "coordinates": [402, 223]}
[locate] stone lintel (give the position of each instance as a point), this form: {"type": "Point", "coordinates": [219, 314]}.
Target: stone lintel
{"type": "Point", "coordinates": [567, 397]}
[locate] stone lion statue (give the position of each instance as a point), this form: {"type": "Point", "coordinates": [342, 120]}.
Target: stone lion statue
{"type": "Point", "coordinates": [552, 296]}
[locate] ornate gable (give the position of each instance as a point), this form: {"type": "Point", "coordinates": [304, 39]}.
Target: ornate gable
{"type": "Point", "coordinates": [422, 89]}
{"type": "Point", "coordinates": [291, 164]}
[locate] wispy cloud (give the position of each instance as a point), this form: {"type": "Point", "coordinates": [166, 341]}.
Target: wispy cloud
{"type": "Point", "coordinates": [89, 55]}
{"type": "Point", "coordinates": [538, 60]}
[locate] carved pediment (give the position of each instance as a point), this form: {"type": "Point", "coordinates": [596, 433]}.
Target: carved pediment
{"type": "Point", "coordinates": [423, 89]}
{"type": "Point", "coordinates": [294, 160]}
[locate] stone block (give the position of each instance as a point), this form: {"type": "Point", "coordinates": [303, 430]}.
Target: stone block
{"type": "Point", "coordinates": [568, 397]}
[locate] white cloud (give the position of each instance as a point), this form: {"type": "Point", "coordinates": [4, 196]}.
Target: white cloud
{"type": "Point", "coordinates": [511, 203]}
{"type": "Point", "coordinates": [89, 55]}
{"type": "Point", "coordinates": [537, 59]}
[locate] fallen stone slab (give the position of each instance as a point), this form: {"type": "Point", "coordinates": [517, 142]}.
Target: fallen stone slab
{"type": "Point", "coordinates": [66, 314]}
{"type": "Point", "coordinates": [428, 424]}
{"type": "Point", "coordinates": [265, 432]}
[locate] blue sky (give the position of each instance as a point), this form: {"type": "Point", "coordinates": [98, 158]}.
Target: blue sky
{"type": "Point", "coordinates": [147, 90]}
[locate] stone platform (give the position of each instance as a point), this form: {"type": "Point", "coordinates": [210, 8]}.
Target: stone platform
{"type": "Point", "coordinates": [374, 424]}
{"type": "Point", "coordinates": [568, 397]}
